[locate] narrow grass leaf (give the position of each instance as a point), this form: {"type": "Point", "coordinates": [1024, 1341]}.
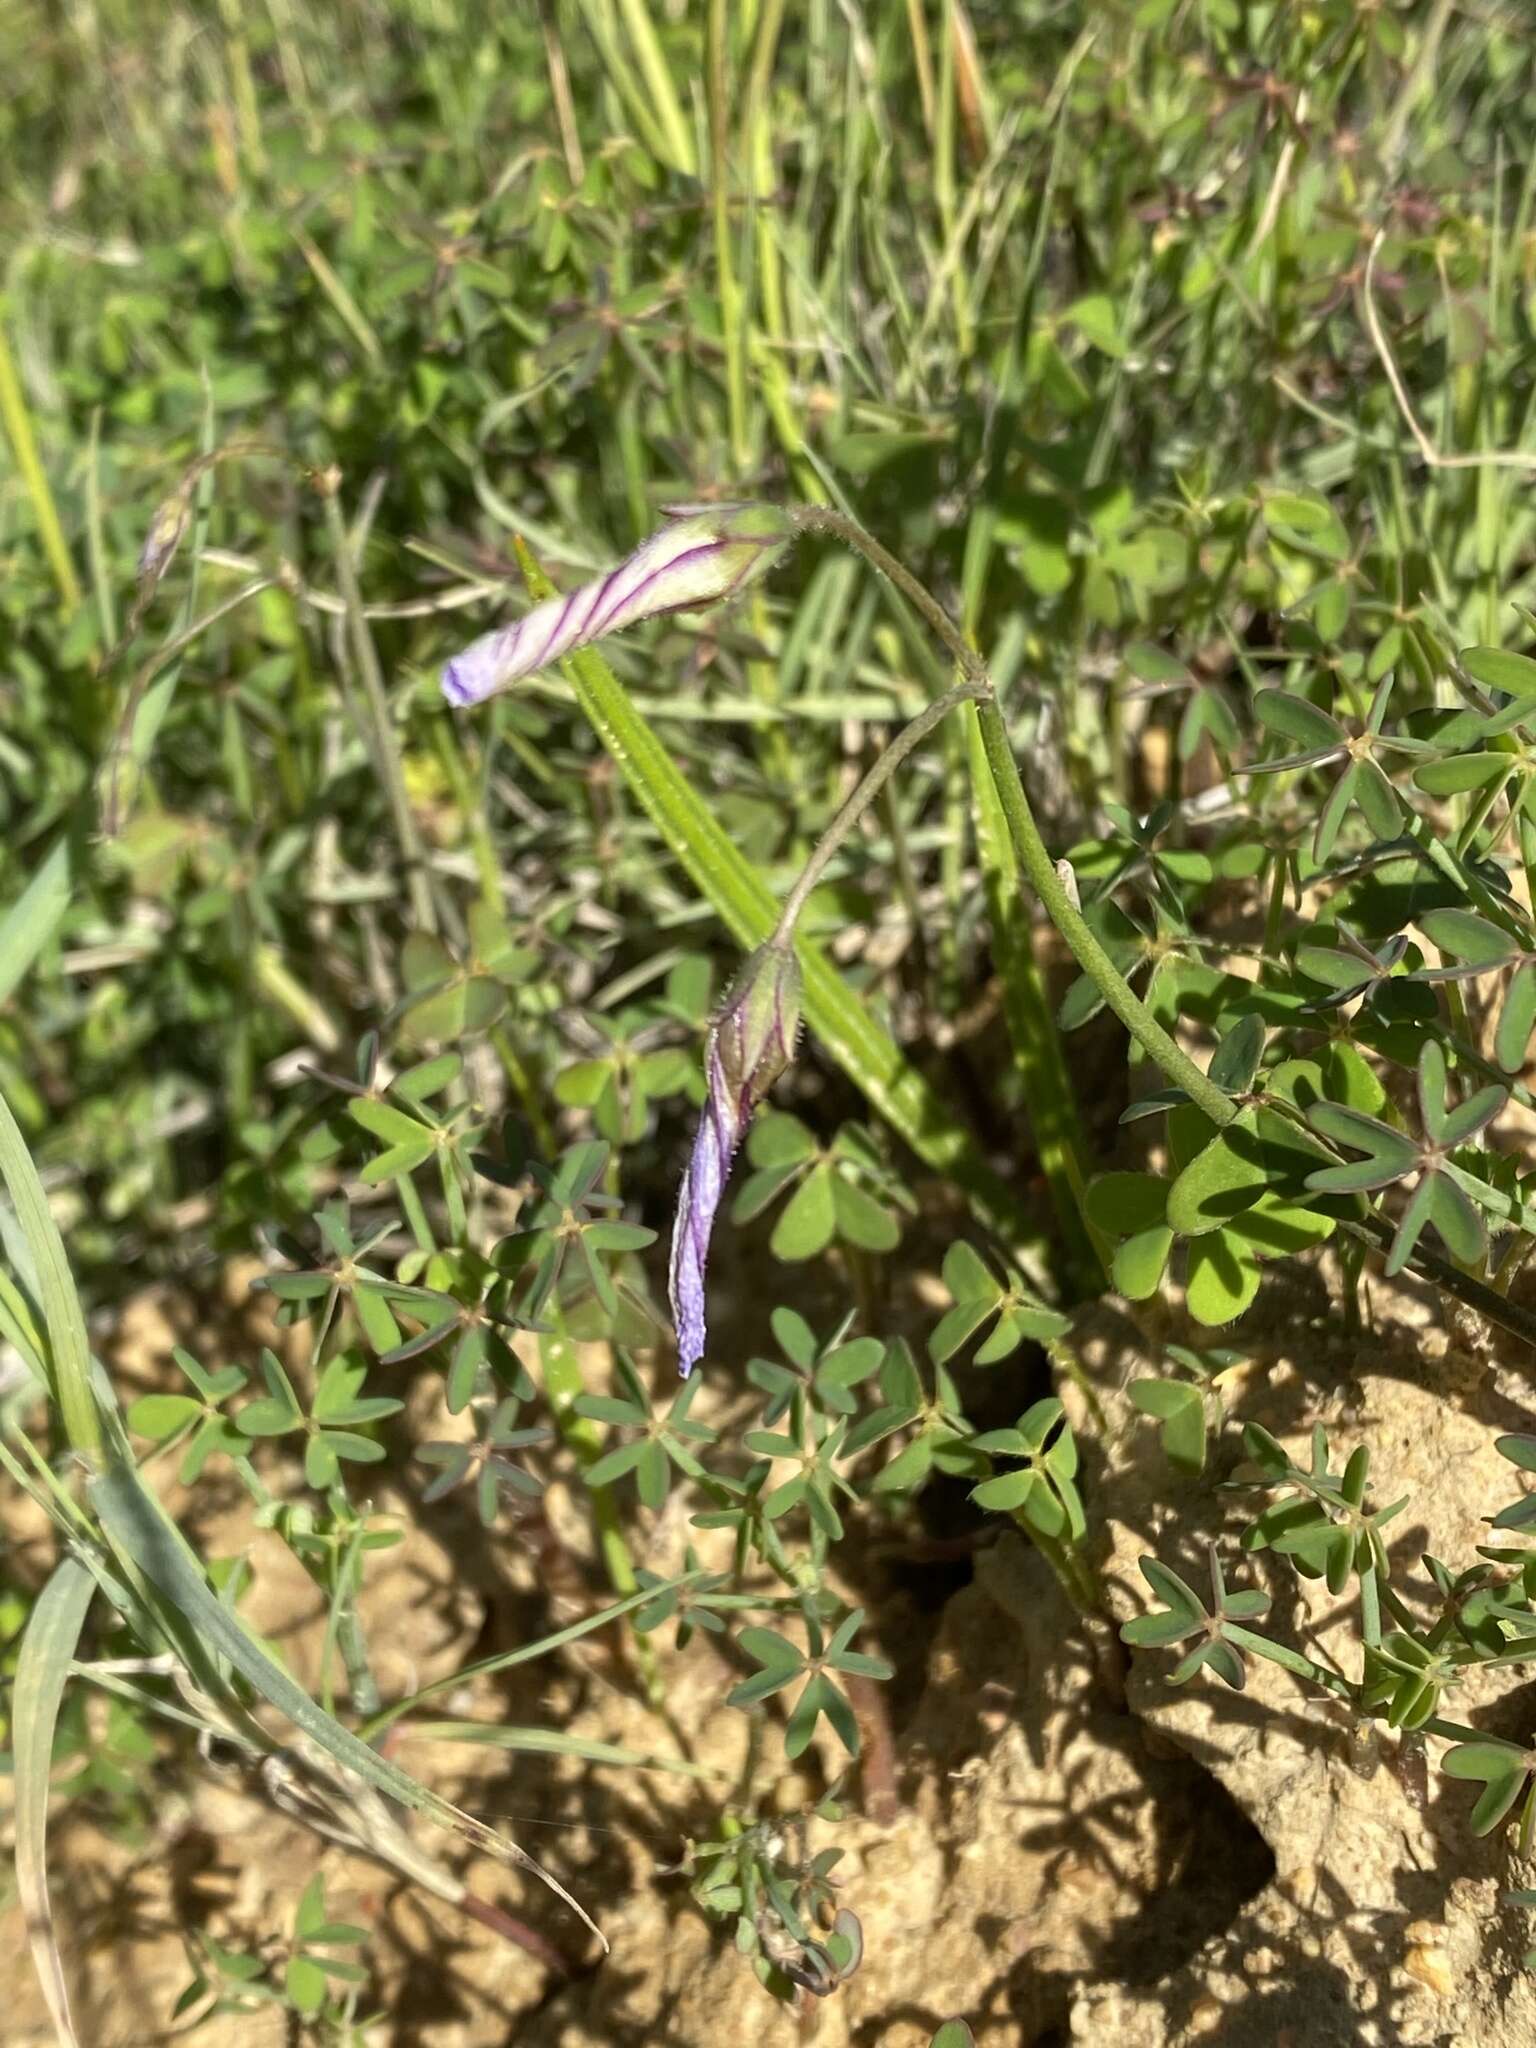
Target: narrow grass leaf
{"type": "Point", "coordinates": [148, 1541]}
{"type": "Point", "coordinates": [555, 1742]}
{"type": "Point", "coordinates": [47, 1648]}
{"type": "Point", "coordinates": [68, 1345]}
{"type": "Point", "coordinates": [36, 915]}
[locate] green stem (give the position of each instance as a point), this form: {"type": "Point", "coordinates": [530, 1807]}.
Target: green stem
{"type": "Point", "coordinates": [1047, 1082]}
{"type": "Point", "coordinates": [1071, 1569]}
{"type": "Point", "coordinates": [1090, 954]}
{"type": "Point", "coordinates": [838, 526]}
{"type": "Point", "coordinates": [415, 1214]}
{"type": "Point", "coordinates": [1450, 1731]}
{"type": "Point", "coordinates": [1040, 1060]}
{"type": "Point", "coordinates": [1037, 864]}
{"type": "Point", "coordinates": [1290, 1660]}
{"type": "Point", "coordinates": [378, 728]}
{"type": "Point", "coordinates": [1370, 1608]}
{"type": "Point", "coordinates": [869, 788]}
{"type": "Point", "coordinates": [1022, 829]}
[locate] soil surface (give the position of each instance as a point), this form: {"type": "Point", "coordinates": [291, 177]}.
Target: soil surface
{"type": "Point", "coordinates": [1045, 1838]}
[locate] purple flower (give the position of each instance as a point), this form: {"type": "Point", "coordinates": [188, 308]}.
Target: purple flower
{"type": "Point", "coordinates": [751, 1042]}
{"type": "Point", "coordinates": [693, 561]}
{"type": "Point", "coordinates": [698, 1197]}
{"type": "Point", "coordinates": [164, 537]}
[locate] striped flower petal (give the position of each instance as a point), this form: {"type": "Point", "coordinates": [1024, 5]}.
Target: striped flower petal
{"type": "Point", "coordinates": [751, 1042]}
{"type": "Point", "coordinates": [692, 562]}
{"type": "Point", "coordinates": [698, 1198]}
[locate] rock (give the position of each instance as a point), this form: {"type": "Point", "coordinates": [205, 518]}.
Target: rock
{"type": "Point", "coordinates": [1037, 1839]}
{"type": "Point", "coordinates": [1382, 1924]}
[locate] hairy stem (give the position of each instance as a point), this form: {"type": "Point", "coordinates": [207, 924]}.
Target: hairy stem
{"type": "Point", "coordinates": [1022, 829]}
{"type": "Point", "coordinates": [1117, 992]}
{"type": "Point", "coordinates": [869, 788]}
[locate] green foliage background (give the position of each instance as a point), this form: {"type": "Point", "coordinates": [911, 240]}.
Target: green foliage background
{"type": "Point", "coordinates": [1071, 329]}
{"type": "Point", "coordinates": [1184, 348]}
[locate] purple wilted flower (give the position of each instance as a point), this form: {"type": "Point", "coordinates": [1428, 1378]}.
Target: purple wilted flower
{"type": "Point", "coordinates": [164, 537]}
{"type": "Point", "coordinates": [693, 561]}
{"type": "Point", "coordinates": [751, 1042]}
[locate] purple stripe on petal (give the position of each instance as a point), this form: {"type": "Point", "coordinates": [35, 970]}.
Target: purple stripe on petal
{"type": "Point", "coordinates": [607, 604]}
{"type": "Point", "coordinates": [541, 635]}
{"type": "Point", "coordinates": [592, 593]}
{"type": "Point", "coordinates": [631, 576]}
{"type": "Point", "coordinates": [637, 599]}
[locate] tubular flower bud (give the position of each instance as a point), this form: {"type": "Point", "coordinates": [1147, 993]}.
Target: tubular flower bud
{"type": "Point", "coordinates": [751, 1042]}
{"type": "Point", "coordinates": [694, 561]}
{"type": "Point", "coordinates": [164, 537]}
{"type": "Point", "coordinates": [757, 1025]}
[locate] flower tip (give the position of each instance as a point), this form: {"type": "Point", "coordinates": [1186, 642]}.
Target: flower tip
{"type": "Point", "coordinates": [164, 537]}
{"type": "Point", "coordinates": [455, 688]}
{"type": "Point", "coordinates": [688, 1315]}
{"type": "Point", "coordinates": [475, 671]}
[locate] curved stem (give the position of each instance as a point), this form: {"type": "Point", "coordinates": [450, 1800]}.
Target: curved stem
{"type": "Point", "coordinates": [1022, 829]}
{"type": "Point", "coordinates": [857, 804]}
{"type": "Point", "coordinates": [1036, 862]}
{"type": "Point", "coordinates": [838, 526]}
{"type": "Point", "coordinates": [1117, 992]}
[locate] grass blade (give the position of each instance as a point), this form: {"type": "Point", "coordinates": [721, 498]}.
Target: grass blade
{"type": "Point", "coordinates": [525, 1652]}
{"type": "Point", "coordinates": [658, 84]}
{"type": "Point", "coordinates": [555, 1742]}
{"type": "Point", "coordinates": [35, 916]}
{"type": "Point", "coordinates": [68, 1345]}
{"type": "Point", "coordinates": [349, 312]}
{"type": "Point", "coordinates": [18, 427]}
{"type": "Point", "coordinates": [622, 76]}
{"type": "Point", "coordinates": [147, 1541]}
{"type": "Point", "coordinates": [42, 1668]}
